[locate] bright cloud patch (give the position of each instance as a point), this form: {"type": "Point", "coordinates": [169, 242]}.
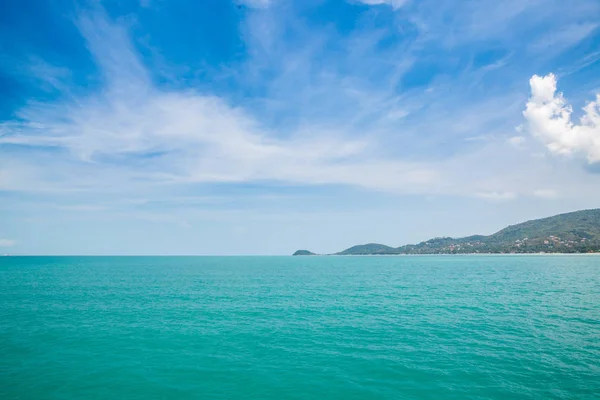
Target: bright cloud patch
{"type": "Point", "coordinates": [549, 119]}
{"type": "Point", "coordinates": [394, 3]}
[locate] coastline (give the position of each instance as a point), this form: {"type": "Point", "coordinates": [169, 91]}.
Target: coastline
{"type": "Point", "coordinates": [452, 254]}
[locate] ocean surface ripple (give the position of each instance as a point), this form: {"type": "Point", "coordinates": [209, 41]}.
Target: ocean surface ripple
{"type": "Point", "coordinates": [423, 327]}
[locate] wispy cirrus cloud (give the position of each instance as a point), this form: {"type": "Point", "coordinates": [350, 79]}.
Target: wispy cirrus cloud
{"type": "Point", "coordinates": [187, 136]}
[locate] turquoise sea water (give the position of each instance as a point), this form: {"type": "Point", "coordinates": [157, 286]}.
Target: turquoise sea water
{"type": "Point", "coordinates": [439, 327]}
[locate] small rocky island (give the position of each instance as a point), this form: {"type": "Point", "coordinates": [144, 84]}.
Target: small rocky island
{"type": "Point", "coordinates": [304, 253]}
{"type": "Point", "coordinates": [575, 232]}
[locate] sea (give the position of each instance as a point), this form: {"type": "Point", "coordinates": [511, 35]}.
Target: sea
{"type": "Point", "coordinates": [395, 327]}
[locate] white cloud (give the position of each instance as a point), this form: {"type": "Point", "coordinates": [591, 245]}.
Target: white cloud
{"type": "Point", "coordinates": [7, 243]}
{"type": "Point", "coordinates": [548, 118]}
{"type": "Point", "coordinates": [199, 138]}
{"type": "Point", "coordinates": [394, 3]}
{"type": "Point", "coordinates": [186, 136]}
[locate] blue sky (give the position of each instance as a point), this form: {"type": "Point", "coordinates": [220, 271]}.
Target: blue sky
{"type": "Point", "coordinates": [264, 126]}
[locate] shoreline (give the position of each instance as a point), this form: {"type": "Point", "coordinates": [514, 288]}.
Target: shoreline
{"type": "Point", "coordinates": [301, 256]}
{"type": "Point", "coordinates": [450, 254]}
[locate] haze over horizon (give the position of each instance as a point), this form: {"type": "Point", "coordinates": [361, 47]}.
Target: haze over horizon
{"type": "Point", "coordinates": [266, 126]}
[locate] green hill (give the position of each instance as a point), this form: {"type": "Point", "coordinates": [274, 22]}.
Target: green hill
{"type": "Point", "coordinates": [370, 248]}
{"type": "Point", "coordinates": [575, 232]}
{"type": "Point", "coordinates": [304, 253]}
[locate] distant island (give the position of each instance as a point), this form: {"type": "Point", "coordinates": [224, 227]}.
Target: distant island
{"type": "Point", "coordinates": [303, 253]}
{"type": "Point", "coordinates": [575, 232]}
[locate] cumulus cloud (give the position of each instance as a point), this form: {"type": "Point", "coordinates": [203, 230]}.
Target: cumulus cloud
{"type": "Point", "coordinates": [7, 243]}
{"type": "Point", "coordinates": [394, 3]}
{"type": "Point", "coordinates": [548, 118]}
